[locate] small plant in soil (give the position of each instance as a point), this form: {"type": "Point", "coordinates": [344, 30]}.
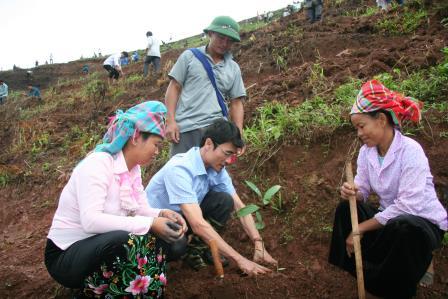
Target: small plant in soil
{"type": "Point", "coordinates": [264, 199]}
{"type": "Point", "coordinates": [445, 240]}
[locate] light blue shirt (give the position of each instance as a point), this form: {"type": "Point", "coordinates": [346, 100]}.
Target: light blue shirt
{"type": "Point", "coordinates": [3, 90]}
{"type": "Point", "coordinates": [183, 180]}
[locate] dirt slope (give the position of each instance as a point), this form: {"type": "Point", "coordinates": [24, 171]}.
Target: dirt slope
{"type": "Point", "coordinates": [298, 236]}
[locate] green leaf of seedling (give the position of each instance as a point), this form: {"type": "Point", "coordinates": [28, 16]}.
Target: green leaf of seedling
{"type": "Point", "coordinates": [249, 209]}
{"type": "Point", "coordinates": [258, 216]}
{"type": "Point", "coordinates": [270, 194]}
{"type": "Point", "coordinates": [254, 188]}
{"type": "Point", "coordinates": [259, 224]}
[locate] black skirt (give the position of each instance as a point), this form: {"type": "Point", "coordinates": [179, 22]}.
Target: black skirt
{"type": "Point", "coordinates": [395, 257]}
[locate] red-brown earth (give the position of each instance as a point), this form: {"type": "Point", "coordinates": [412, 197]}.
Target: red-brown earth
{"type": "Point", "coordinates": [309, 172]}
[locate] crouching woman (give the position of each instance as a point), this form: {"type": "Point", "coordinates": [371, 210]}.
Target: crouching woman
{"type": "Point", "coordinates": [103, 224]}
{"type": "Point", "coordinates": [397, 238]}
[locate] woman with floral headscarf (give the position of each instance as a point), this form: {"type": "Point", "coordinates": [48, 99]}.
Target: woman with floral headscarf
{"type": "Point", "coordinates": [397, 238]}
{"type": "Point", "coordinates": [103, 209]}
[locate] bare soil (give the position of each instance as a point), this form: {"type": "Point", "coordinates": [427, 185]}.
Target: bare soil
{"type": "Point", "coordinates": [298, 236]}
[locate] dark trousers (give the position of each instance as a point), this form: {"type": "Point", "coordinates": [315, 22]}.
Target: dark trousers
{"type": "Point", "coordinates": [155, 61]}
{"type": "Point", "coordinates": [314, 10]}
{"type": "Point", "coordinates": [71, 266]}
{"type": "Point", "coordinates": [395, 257]}
{"type": "Point", "coordinates": [217, 207]}
{"type": "Point", "coordinates": [112, 71]}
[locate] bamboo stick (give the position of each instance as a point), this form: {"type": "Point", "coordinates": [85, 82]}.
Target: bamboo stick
{"type": "Point", "coordinates": [216, 259]}
{"type": "Point", "coordinates": [356, 236]}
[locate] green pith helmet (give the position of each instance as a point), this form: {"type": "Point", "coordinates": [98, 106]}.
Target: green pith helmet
{"type": "Point", "coordinates": [226, 26]}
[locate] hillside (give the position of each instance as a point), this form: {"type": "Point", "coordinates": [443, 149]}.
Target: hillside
{"type": "Point", "coordinates": [301, 80]}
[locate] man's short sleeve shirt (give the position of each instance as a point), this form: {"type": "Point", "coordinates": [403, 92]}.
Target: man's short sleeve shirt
{"type": "Point", "coordinates": [198, 105]}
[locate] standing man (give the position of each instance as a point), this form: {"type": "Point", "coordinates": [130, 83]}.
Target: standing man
{"type": "Point", "coordinates": [113, 67]}
{"type": "Point", "coordinates": [191, 98]}
{"type": "Point", "coordinates": [314, 10]}
{"type": "Point", "coordinates": [152, 54]}
{"type": "Point", "coordinates": [3, 91]}
{"type": "Point", "coordinates": [197, 185]}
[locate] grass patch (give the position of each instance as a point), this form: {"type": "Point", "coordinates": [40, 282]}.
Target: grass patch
{"type": "Point", "coordinates": [252, 26]}
{"type": "Point", "coordinates": [402, 23]}
{"type": "Point", "coordinates": [320, 116]}
{"type": "Point", "coordinates": [275, 121]}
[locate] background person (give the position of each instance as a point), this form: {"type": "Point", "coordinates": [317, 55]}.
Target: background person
{"type": "Point", "coordinates": [113, 67]}
{"type": "Point", "coordinates": [314, 10]}
{"type": "Point", "coordinates": [34, 93]}
{"type": "Point", "coordinates": [152, 54]}
{"type": "Point", "coordinates": [3, 91]}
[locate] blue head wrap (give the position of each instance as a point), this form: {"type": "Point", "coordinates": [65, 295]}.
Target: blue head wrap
{"type": "Point", "coordinates": [145, 117]}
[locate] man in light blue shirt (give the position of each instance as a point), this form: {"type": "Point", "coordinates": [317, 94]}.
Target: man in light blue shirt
{"type": "Point", "coordinates": [3, 91]}
{"type": "Point", "coordinates": [197, 184]}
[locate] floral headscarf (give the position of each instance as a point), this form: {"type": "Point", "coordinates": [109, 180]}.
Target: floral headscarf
{"type": "Point", "coordinates": [145, 117]}
{"type": "Point", "coordinates": [374, 96]}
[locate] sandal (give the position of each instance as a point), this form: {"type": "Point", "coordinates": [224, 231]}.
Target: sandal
{"type": "Point", "coordinates": [427, 280]}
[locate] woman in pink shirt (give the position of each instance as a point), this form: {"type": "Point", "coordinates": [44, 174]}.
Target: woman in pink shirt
{"type": "Point", "coordinates": [104, 202]}
{"type": "Point", "coordinates": [397, 238]}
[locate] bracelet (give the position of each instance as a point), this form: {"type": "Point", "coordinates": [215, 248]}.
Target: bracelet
{"type": "Point", "coordinates": [257, 240]}
{"type": "Point", "coordinates": [356, 234]}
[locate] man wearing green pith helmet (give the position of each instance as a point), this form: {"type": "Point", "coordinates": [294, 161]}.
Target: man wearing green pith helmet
{"type": "Point", "coordinates": [194, 102]}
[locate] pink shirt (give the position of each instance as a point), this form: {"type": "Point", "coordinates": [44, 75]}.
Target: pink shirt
{"type": "Point", "coordinates": [101, 196]}
{"type": "Point", "coordinates": [403, 182]}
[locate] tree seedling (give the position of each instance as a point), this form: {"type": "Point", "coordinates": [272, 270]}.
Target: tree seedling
{"type": "Point", "coordinates": [265, 199]}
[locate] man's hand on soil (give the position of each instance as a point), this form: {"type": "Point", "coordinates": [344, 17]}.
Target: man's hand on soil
{"type": "Point", "coordinates": [250, 268]}
{"type": "Point", "coordinates": [261, 256]}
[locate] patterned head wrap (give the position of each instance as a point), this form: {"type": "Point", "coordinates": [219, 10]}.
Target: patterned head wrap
{"type": "Point", "coordinates": [374, 96]}
{"type": "Point", "coordinates": [145, 117]}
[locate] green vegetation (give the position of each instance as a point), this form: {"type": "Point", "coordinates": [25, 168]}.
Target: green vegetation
{"type": "Point", "coordinates": [4, 179]}
{"type": "Point", "coordinates": [252, 26]}
{"type": "Point", "coordinates": [264, 199]}
{"type": "Point", "coordinates": [428, 85]}
{"type": "Point", "coordinates": [402, 23]}
{"type": "Point", "coordinates": [370, 11]}
{"type": "Point", "coordinates": [95, 89]}
{"type": "Point", "coordinates": [134, 78]}
{"type": "Point", "coordinates": [279, 56]}
{"type": "Point", "coordinates": [317, 81]}
{"type": "Point", "coordinates": [445, 240]}
{"type": "Point", "coordinates": [275, 121]}
{"type": "Point", "coordinates": [190, 42]}
{"type": "Point", "coordinates": [40, 143]}
{"type": "Point", "coordinates": [321, 115]}
{"type": "Point", "coordinates": [365, 11]}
